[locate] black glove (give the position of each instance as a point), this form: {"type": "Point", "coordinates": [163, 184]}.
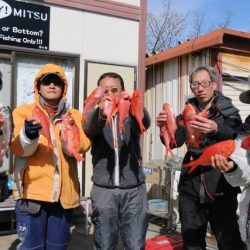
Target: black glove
{"type": "Point", "coordinates": [31, 130]}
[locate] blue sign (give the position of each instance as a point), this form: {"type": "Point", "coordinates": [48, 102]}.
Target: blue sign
{"type": "Point", "coordinates": [147, 171]}
{"type": "Point", "coordinates": [24, 24]}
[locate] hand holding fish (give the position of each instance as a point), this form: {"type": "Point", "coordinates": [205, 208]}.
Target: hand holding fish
{"type": "Point", "coordinates": [221, 163]}
{"type": "Point", "coordinates": [107, 106]}
{"type": "Point", "coordinates": [204, 125]}
{"type": "Point", "coordinates": [245, 144]}
{"type": "Point", "coordinates": [34, 121]}
{"type": "Point", "coordinates": [161, 119]}
{"type": "Point", "coordinates": [32, 126]}
{"type": "Point", "coordinates": [92, 100]}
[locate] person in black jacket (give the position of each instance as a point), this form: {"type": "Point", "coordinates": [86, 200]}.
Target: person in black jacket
{"type": "Point", "coordinates": [118, 195]}
{"type": "Point", "coordinates": [204, 195]}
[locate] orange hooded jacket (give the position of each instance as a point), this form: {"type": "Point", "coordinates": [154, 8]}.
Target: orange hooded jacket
{"type": "Point", "coordinates": [40, 172]}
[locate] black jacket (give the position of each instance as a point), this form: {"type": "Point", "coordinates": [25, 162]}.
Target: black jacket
{"type": "Point", "coordinates": [206, 183]}
{"type": "Point", "coordinates": [104, 154]}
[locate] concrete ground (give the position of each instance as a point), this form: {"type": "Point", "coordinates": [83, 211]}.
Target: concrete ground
{"type": "Point", "coordinates": [79, 242]}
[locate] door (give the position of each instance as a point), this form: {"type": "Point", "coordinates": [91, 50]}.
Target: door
{"type": "Point", "coordinates": [6, 98]}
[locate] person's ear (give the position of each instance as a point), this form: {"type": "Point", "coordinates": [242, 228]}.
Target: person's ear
{"type": "Point", "coordinates": [214, 85]}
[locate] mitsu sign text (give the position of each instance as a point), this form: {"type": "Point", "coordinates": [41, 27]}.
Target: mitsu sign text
{"type": "Point", "coordinates": [24, 24]}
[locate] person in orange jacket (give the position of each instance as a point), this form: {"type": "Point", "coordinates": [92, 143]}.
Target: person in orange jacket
{"type": "Point", "coordinates": [46, 179]}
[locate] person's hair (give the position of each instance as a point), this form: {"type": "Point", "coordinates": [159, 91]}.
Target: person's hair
{"type": "Point", "coordinates": [210, 70]}
{"type": "Point", "coordinates": [112, 75]}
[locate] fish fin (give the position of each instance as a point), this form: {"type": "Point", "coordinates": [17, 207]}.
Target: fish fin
{"type": "Point", "coordinates": [78, 157]}
{"type": "Point", "coordinates": [192, 169]}
{"type": "Point", "coordinates": [191, 165]}
{"type": "Point", "coordinates": [142, 128]}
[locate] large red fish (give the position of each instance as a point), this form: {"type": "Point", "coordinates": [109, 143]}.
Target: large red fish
{"type": "Point", "coordinates": [167, 131]}
{"type": "Point", "coordinates": [38, 114]}
{"type": "Point", "coordinates": [137, 108]}
{"type": "Point", "coordinates": [245, 144]}
{"type": "Point", "coordinates": [70, 134]}
{"type": "Point", "coordinates": [92, 100]}
{"type": "Point", "coordinates": [109, 108]}
{"type": "Point", "coordinates": [123, 109]}
{"type": "Point", "coordinates": [225, 148]}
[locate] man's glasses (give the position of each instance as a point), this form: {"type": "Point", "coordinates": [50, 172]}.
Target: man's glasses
{"type": "Point", "coordinates": [55, 80]}
{"type": "Point", "coordinates": [112, 90]}
{"type": "Point", "coordinates": [195, 85]}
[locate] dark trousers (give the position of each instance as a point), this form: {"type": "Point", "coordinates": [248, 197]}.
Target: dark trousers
{"type": "Point", "coordinates": [119, 211]}
{"type": "Point", "coordinates": [48, 229]}
{"type": "Point", "coordinates": [221, 214]}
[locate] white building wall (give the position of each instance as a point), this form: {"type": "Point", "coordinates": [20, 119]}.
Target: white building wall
{"type": "Point", "coordinates": [66, 30]}
{"type": "Point", "coordinates": [110, 39]}
{"type": "Point", "coordinates": [164, 87]}
{"type": "Point", "coordinates": [95, 37]}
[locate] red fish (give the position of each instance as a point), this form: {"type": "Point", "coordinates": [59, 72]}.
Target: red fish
{"type": "Point", "coordinates": [70, 134]}
{"type": "Point", "coordinates": [197, 133]}
{"type": "Point", "coordinates": [194, 135]}
{"type": "Point", "coordinates": [166, 138]}
{"type": "Point", "coordinates": [38, 114]}
{"type": "Point", "coordinates": [137, 108]}
{"type": "Point", "coordinates": [245, 144]}
{"type": "Point", "coordinates": [92, 100]}
{"type": "Point", "coordinates": [189, 115]}
{"type": "Point", "coordinates": [109, 108]}
{"type": "Point", "coordinates": [123, 109]}
{"type": "Point", "coordinates": [6, 127]}
{"type": "Point", "coordinates": [167, 131]}
{"type": "Point", "coordinates": [225, 148]}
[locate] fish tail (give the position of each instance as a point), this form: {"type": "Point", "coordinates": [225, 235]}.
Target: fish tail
{"type": "Point", "coordinates": [83, 117]}
{"type": "Point", "coordinates": [109, 121]}
{"type": "Point", "coordinates": [174, 143]}
{"type": "Point", "coordinates": [171, 152]}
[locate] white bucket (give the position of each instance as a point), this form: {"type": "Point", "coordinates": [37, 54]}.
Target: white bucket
{"type": "Point", "coordinates": [158, 206]}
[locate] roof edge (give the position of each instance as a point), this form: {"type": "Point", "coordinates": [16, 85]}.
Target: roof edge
{"type": "Point", "coordinates": [213, 38]}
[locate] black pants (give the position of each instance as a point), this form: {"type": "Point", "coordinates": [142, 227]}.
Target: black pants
{"type": "Point", "coordinates": [121, 211]}
{"type": "Point", "coordinates": [221, 214]}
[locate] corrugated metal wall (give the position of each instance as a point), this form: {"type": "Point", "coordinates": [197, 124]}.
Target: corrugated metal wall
{"type": "Point", "coordinates": [161, 86]}
{"type": "Point", "coordinates": [167, 82]}
{"type": "Point", "coordinates": [233, 89]}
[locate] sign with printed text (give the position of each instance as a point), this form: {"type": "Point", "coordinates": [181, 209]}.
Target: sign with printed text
{"type": "Point", "coordinates": [24, 24]}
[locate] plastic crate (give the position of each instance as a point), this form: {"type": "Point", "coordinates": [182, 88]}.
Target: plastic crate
{"type": "Point", "coordinates": [164, 242]}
